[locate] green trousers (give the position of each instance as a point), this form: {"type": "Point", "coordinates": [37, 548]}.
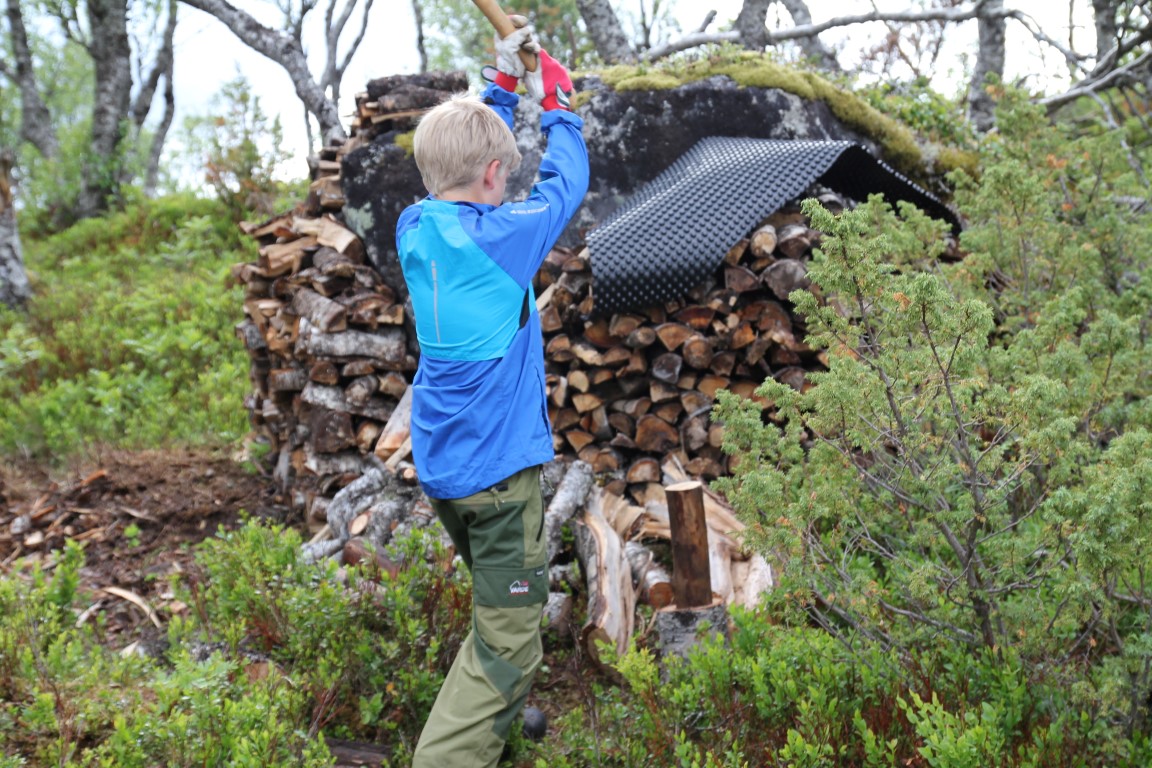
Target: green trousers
{"type": "Point", "coordinates": [499, 534]}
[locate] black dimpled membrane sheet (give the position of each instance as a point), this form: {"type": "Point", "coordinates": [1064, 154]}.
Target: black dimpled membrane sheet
{"type": "Point", "coordinates": [674, 231]}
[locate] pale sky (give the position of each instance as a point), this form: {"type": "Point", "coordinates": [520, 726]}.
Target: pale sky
{"type": "Point", "coordinates": [208, 54]}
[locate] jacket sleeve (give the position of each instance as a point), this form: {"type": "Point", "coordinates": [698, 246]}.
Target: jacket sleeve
{"type": "Point", "coordinates": [502, 102]}
{"type": "Point", "coordinates": [519, 235]}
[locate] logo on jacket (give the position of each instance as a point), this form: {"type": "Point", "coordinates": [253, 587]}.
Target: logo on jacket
{"type": "Point", "coordinates": [518, 587]}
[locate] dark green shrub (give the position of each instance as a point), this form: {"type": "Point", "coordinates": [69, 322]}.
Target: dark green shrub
{"type": "Point", "coordinates": [128, 339]}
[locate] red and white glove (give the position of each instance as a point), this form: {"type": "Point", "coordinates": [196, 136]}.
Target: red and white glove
{"type": "Point", "coordinates": [550, 84]}
{"type": "Point", "coordinates": [508, 62]}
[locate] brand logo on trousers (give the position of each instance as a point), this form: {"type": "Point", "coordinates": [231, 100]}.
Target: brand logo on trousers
{"type": "Point", "coordinates": [518, 588]}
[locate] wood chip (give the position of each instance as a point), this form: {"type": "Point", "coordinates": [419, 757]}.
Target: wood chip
{"type": "Point", "coordinates": [137, 601]}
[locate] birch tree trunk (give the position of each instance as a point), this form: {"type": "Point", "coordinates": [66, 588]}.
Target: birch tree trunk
{"type": "Point", "coordinates": [14, 288]}
{"type": "Point", "coordinates": [813, 48]}
{"type": "Point", "coordinates": [162, 67]}
{"type": "Point", "coordinates": [751, 23]}
{"type": "Point", "coordinates": [111, 55]}
{"type": "Point", "coordinates": [1104, 16]}
{"type": "Point", "coordinates": [35, 121]}
{"type": "Point", "coordinates": [605, 30]}
{"type": "Point", "coordinates": [989, 61]}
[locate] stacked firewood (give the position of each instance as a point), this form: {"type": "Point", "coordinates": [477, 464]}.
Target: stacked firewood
{"type": "Point", "coordinates": [329, 357]}
{"type": "Point", "coordinates": [330, 360]}
{"type": "Point", "coordinates": [629, 391]}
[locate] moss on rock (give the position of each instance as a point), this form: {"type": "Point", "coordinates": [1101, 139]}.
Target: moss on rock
{"type": "Point", "coordinates": [753, 70]}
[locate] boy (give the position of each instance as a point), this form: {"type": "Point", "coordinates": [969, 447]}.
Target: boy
{"type": "Point", "coordinates": [480, 428]}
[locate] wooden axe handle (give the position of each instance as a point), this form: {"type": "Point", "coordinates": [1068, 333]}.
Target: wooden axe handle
{"type": "Point", "coordinates": [504, 27]}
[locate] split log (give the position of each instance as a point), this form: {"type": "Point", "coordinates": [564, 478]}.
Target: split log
{"type": "Point", "coordinates": [331, 431]}
{"type": "Point", "coordinates": [558, 612]}
{"type": "Point", "coordinates": [723, 363]}
{"type": "Point", "coordinates": [361, 389]}
{"type": "Point", "coordinates": [579, 439]}
{"type": "Point", "coordinates": [696, 316]}
{"type": "Point", "coordinates": [653, 584]}
{"type": "Point", "coordinates": [720, 565]}
{"type": "Point", "coordinates": [794, 240]}
{"type": "Point", "coordinates": [621, 325]}
{"type": "Point", "coordinates": [740, 279]}
{"type": "Point", "coordinates": [331, 233]}
{"type": "Point", "coordinates": [622, 516]}
{"type": "Point", "coordinates": [393, 384]}
{"type": "Point", "coordinates": [285, 258]}
{"type": "Point", "coordinates": [622, 424]}
{"type": "Point", "coordinates": [355, 368]}
{"type": "Point", "coordinates": [611, 597]}
{"type": "Point", "coordinates": [597, 332]}
{"type": "Point", "coordinates": [578, 380]}
{"type": "Point", "coordinates": [763, 241]}
{"type": "Point", "coordinates": [655, 435]}
{"type": "Point", "coordinates": [563, 419]}
{"type": "Point", "coordinates": [698, 351]}
{"type": "Point", "coordinates": [387, 345]}
{"type": "Point", "coordinates": [641, 338]}
{"type": "Point", "coordinates": [672, 335]}
{"type": "Point", "coordinates": [287, 379]}
{"type": "Point", "coordinates": [785, 276]}
{"type": "Point", "coordinates": [570, 497]}
{"type": "Point", "coordinates": [751, 580]}
{"type": "Point", "coordinates": [666, 367]}
{"type": "Point", "coordinates": [397, 429]}
{"type": "Point", "coordinates": [357, 551]}
{"type": "Point", "coordinates": [669, 411]}
{"type": "Point", "coordinates": [558, 391]}
{"type": "Point", "coordinates": [324, 372]}
{"type": "Point", "coordinates": [643, 470]}
{"type": "Point", "coordinates": [333, 399]}
{"type": "Point", "coordinates": [367, 435]}
{"type": "Point", "coordinates": [584, 403]}
{"type": "Point", "coordinates": [662, 391]}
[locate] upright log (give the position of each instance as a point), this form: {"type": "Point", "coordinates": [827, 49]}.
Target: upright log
{"type": "Point", "coordinates": [691, 580]}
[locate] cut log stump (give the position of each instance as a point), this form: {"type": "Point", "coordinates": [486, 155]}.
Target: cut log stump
{"type": "Point", "coordinates": [679, 630]}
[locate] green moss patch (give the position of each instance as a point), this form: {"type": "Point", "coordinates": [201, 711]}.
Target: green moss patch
{"type": "Point", "coordinates": [752, 70]}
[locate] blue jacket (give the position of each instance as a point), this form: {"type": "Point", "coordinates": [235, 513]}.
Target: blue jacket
{"type": "Point", "coordinates": [479, 411]}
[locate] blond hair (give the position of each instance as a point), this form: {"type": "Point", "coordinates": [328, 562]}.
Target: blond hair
{"type": "Point", "coordinates": [455, 141]}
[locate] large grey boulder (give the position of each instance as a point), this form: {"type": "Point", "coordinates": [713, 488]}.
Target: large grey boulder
{"type": "Point", "coordinates": [632, 136]}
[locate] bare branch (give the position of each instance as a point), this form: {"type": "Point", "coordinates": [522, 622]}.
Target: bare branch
{"type": "Point", "coordinates": [1093, 84]}
{"type": "Point", "coordinates": [802, 31]}
{"type": "Point", "coordinates": [160, 67]}
{"type": "Point", "coordinates": [707, 22]}
{"type": "Point", "coordinates": [358, 39]}
{"type": "Point", "coordinates": [1075, 60]}
{"type": "Point", "coordinates": [286, 51]}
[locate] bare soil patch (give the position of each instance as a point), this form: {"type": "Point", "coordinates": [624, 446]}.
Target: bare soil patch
{"type": "Point", "coordinates": [136, 513]}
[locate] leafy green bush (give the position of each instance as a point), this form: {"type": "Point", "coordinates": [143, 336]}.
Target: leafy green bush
{"type": "Point", "coordinates": [790, 695]}
{"type": "Point", "coordinates": [278, 653]}
{"type": "Point", "coordinates": [240, 150]}
{"type": "Point", "coordinates": [970, 470]}
{"type": "Point", "coordinates": [129, 336]}
{"type": "Point", "coordinates": [372, 656]}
